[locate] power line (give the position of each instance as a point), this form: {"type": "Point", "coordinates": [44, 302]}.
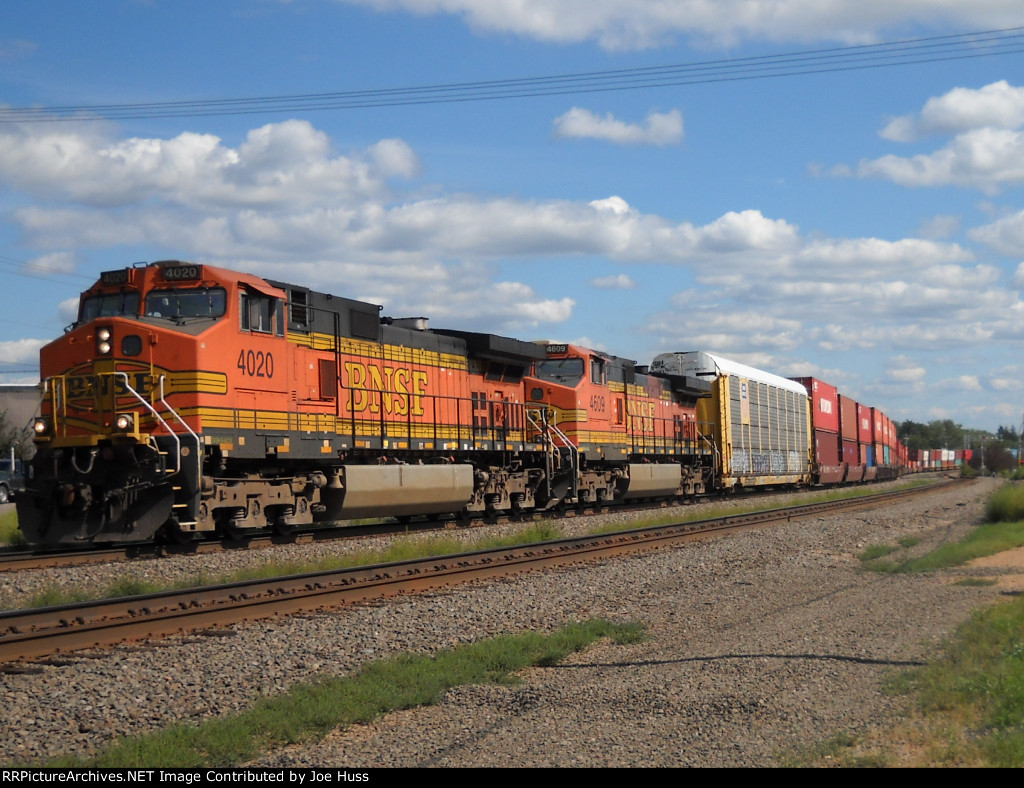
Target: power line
{"type": "Point", "coordinates": [989, 43]}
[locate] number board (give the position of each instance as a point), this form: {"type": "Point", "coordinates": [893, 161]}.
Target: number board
{"type": "Point", "coordinates": [183, 273]}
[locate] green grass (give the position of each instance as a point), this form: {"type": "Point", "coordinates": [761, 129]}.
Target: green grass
{"type": "Point", "coordinates": [9, 533]}
{"type": "Point", "coordinates": [969, 704]}
{"type": "Point", "coordinates": [984, 540]}
{"type": "Point", "coordinates": [966, 708]}
{"type": "Point", "coordinates": [876, 551]}
{"type": "Point", "coordinates": [311, 710]}
{"type": "Point", "coordinates": [1006, 505]}
{"type": "Point", "coordinates": [402, 549]}
{"type": "Point", "coordinates": [980, 679]}
{"type": "Point", "coordinates": [841, 750]}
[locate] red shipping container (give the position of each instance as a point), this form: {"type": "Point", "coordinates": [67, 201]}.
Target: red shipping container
{"type": "Point", "coordinates": [876, 426]}
{"type": "Point", "coordinates": [824, 402]}
{"type": "Point", "coordinates": [826, 448]}
{"type": "Point", "coordinates": [851, 453]}
{"type": "Point", "coordinates": [848, 418]}
{"type": "Point", "coordinates": [863, 424]}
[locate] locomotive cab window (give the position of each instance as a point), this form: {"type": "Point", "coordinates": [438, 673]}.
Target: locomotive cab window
{"type": "Point", "coordinates": [124, 304]}
{"type": "Point", "coordinates": [193, 302]}
{"type": "Point", "coordinates": [567, 371]}
{"type": "Point", "coordinates": [597, 371]}
{"type": "Point", "coordinates": [262, 313]}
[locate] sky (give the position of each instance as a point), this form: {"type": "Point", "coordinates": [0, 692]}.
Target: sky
{"type": "Point", "coordinates": [863, 225]}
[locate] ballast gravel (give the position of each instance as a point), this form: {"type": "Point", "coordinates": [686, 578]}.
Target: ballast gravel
{"type": "Point", "coordinates": [757, 644]}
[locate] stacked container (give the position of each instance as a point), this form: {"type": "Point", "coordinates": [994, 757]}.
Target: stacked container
{"type": "Point", "coordinates": [828, 460]}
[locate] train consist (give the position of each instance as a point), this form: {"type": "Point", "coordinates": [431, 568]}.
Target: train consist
{"type": "Point", "coordinates": [188, 399]}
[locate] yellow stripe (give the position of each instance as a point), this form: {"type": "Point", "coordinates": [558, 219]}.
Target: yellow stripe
{"type": "Point", "coordinates": [396, 353]}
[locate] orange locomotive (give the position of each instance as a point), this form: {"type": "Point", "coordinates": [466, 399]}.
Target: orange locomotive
{"type": "Point", "coordinates": [188, 398]}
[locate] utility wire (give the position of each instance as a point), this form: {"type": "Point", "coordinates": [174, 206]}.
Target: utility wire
{"type": "Point", "coordinates": [990, 43]}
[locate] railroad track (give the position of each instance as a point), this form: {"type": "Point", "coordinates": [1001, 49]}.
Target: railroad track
{"type": "Point", "coordinates": [20, 560]}
{"type": "Point", "coordinates": [44, 632]}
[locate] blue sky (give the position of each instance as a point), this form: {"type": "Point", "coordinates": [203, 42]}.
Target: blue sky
{"type": "Point", "coordinates": [862, 226]}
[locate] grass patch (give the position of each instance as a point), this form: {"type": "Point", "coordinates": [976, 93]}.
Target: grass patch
{"type": "Point", "coordinates": [985, 540]}
{"type": "Point", "coordinates": [979, 681]}
{"type": "Point", "coordinates": [842, 750]}
{"type": "Point", "coordinates": [9, 533]}
{"type": "Point", "coordinates": [402, 549]}
{"type": "Point", "coordinates": [966, 708]}
{"type": "Point", "coordinates": [1006, 505]}
{"type": "Point", "coordinates": [976, 581]}
{"type": "Point", "coordinates": [311, 710]}
{"type": "Point", "coordinates": [876, 551]}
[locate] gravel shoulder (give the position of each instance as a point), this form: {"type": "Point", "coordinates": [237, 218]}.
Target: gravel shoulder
{"type": "Point", "coordinates": [757, 643]}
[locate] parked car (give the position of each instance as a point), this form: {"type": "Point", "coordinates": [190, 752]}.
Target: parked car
{"type": "Point", "coordinates": [12, 479]}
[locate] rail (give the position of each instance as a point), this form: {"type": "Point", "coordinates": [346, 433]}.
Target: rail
{"type": "Point", "coordinates": [31, 634]}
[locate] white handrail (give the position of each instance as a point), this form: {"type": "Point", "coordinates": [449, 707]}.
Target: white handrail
{"type": "Point", "coordinates": [181, 421]}
{"type": "Point", "coordinates": [157, 416]}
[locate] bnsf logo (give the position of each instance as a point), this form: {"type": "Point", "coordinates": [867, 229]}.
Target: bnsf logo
{"type": "Point", "coordinates": [398, 390]}
{"type": "Point", "coordinates": [84, 389]}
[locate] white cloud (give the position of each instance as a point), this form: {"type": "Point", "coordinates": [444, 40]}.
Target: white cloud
{"type": "Point", "coordinates": [287, 163]}
{"type": "Point", "coordinates": [986, 159]}
{"type": "Point", "coordinates": [284, 204]}
{"type": "Point", "coordinates": [1005, 235]}
{"type": "Point", "coordinates": [67, 310]}
{"type": "Point", "coordinates": [56, 262]}
{"type": "Point", "coordinates": [659, 128]}
{"type": "Point", "coordinates": [998, 105]}
{"type": "Point", "coordinates": [614, 282]}
{"type": "Point", "coordinates": [939, 227]}
{"type": "Point", "coordinates": [21, 351]}
{"type": "Point", "coordinates": [637, 24]}
{"type": "Point", "coordinates": [961, 383]}
{"type": "Point", "coordinates": [903, 369]}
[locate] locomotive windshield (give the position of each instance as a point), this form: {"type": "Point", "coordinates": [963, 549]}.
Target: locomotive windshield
{"type": "Point", "coordinates": [195, 302]}
{"type": "Point", "coordinates": [123, 304]}
{"type": "Point", "coordinates": [567, 371]}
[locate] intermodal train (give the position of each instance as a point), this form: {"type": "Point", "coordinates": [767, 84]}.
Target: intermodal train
{"type": "Point", "coordinates": [189, 399]}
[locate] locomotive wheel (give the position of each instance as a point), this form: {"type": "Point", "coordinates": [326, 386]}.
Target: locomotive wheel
{"type": "Point", "coordinates": [281, 519]}
{"type": "Point", "coordinates": [227, 528]}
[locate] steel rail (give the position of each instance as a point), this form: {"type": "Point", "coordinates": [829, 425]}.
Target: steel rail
{"type": "Point", "coordinates": [33, 634]}
{"type": "Point", "coordinates": [20, 560]}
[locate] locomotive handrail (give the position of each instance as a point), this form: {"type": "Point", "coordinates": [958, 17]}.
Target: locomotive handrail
{"type": "Point", "coordinates": [389, 426]}
{"type": "Point", "coordinates": [546, 428]}
{"type": "Point", "coordinates": [157, 416]}
{"type": "Point", "coordinates": [182, 422]}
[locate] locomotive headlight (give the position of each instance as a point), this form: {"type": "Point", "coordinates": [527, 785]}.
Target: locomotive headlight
{"type": "Point", "coordinates": [124, 422]}
{"type": "Point", "coordinates": [41, 427]}
{"type": "Point", "coordinates": [103, 341]}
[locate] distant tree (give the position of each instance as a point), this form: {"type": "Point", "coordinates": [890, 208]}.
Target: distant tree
{"type": "Point", "coordinates": [944, 434]}
{"type": "Point", "coordinates": [994, 457]}
{"type": "Point", "coordinates": [1008, 434]}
